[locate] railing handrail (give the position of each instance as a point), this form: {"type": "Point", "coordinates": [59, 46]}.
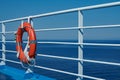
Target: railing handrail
{"type": "Point", "coordinates": [64, 11]}
{"type": "Point", "coordinates": [56, 70]}
{"type": "Point", "coordinates": [71, 28]}
{"type": "Point", "coordinates": [74, 43]}
{"type": "Point", "coordinates": [74, 59]}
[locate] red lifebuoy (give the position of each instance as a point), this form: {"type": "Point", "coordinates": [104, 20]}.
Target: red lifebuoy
{"type": "Point", "coordinates": [26, 27]}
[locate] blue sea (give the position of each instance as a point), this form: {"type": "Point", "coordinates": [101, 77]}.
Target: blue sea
{"type": "Point", "coordinates": [108, 72]}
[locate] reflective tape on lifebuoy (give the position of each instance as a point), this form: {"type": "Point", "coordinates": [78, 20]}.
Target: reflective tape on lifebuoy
{"type": "Point", "coordinates": [26, 27]}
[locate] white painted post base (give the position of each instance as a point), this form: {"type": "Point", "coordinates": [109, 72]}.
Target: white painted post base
{"type": "Point", "coordinates": [2, 65]}
{"type": "Point", "coordinates": [28, 71]}
{"type": "Point", "coordinates": [28, 74]}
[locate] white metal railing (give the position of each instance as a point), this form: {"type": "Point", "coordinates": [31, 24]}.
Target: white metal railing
{"type": "Point", "coordinates": [60, 71]}
{"type": "Point", "coordinates": [80, 43]}
{"type": "Point", "coordinates": [71, 43]}
{"type": "Point", "coordinates": [65, 11]}
{"type": "Point", "coordinates": [71, 28]}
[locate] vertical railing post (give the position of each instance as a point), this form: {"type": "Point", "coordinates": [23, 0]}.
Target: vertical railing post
{"type": "Point", "coordinates": [30, 21]}
{"type": "Point", "coordinates": [80, 47]}
{"type": "Point", "coordinates": [3, 44]}
{"type": "Point", "coordinates": [29, 71]}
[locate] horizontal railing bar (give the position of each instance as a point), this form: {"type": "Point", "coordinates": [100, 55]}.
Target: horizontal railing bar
{"type": "Point", "coordinates": [16, 19]}
{"type": "Point", "coordinates": [101, 26]}
{"type": "Point", "coordinates": [11, 61]}
{"type": "Point", "coordinates": [100, 44]}
{"type": "Point", "coordinates": [60, 71]}
{"type": "Point", "coordinates": [66, 43]}
{"type": "Point", "coordinates": [74, 43]}
{"type": "Point", "coordinates": [88, 44]}
{"type": "Point", "coordinates": [65, 72]}
{"type": "Point", "coordinates": [73, 28]}
{"type": "Point", "coordinates": [10, 32]}
{"type": "Point", "coordinates": [55, 29]}
{"type": "Point", "coordinates": [102, 62]}
{"type": "Point", "coordinates": [14, 41]}
{"type": "Point", "coordinates": [10, 41]}
{"type": "Point", "coordinates": [65, 11]}
{"type": "Point", "coordinates": [11, 51]}
{"type": "Point", "coordinates": [76, 9]}
{"type": "Point", "coordinates": [85, 27]}
{"type": "Point", "coordinates": [59, 57]}
{"type": "Point", "coordinates": [100, 6]}
{"type": "Point", "coordinates": [76, 59]}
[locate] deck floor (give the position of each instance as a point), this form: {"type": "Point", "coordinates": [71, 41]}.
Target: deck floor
{"type": "Point", "coordinates": [17, 74]}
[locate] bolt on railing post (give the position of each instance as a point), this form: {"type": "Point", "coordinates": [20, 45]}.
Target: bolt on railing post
{"type": "Point", "coordinates": [80, 47]}
{"type": "Point", "coordinates": [3, 43]}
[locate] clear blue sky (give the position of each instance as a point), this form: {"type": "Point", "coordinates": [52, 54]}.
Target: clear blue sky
{"type": "Point", "coordinates": [10, 9]}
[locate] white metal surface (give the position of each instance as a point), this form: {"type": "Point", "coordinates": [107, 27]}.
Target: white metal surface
{"type": "Point", "coordinates": [102, 26]}
{"type": "Point", "coordinates": [80, 47]}
{"type": "Point", "coordinates": [76, 59]}
{"type": "Point", "coordinates": [83, 27]}
{"type": "Point", "coordinates": [100, 44]}
{"type": "Point", "coordinates": [11, 61]}
{"type": "Point", "coordinates": [3, 43]}
{"type": "Point", "coordinates": [2, 63]}
{"type": "Point", "coordinates": [11, 51]}
{"type": "Point", "coordinates": [12, 32]}
{"type": "Point", "coordinates": [73, 43]}
{"type": "Point", "coordinates": [88, 44]}
{"type": "Point", "coordinates": [71, 28]}
{"type": "Point", "coordinates": [12, 20]}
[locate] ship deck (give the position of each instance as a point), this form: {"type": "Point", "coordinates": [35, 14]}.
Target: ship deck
{"type": "Point", "coordinates": [18, 74]}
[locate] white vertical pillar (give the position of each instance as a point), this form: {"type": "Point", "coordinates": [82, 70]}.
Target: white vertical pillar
{"type": "Point", "coordinates": [31, 22]}
{"type": "Point", "coordinates": [3, 43]}
{"type": "Point", "coordinates": [29, 19]}
{"type": "Point", "coordinates": [22, 23]}
{"type": "Point", "coordinates": [80, 47]}
{"type": "Point", "coordinates": [29, 71]}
